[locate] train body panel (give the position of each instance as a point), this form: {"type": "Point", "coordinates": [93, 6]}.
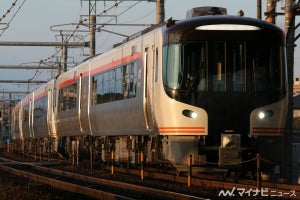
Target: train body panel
{"type": "Point", "coordinates": [179, 89]}
{"type": "Point", "coordinates": [68, 97]}
{"type": "Point", "coordinates": [269, 120]}
{"type": "Point", "coordinates": [43, 111]}
{"type": "Point", "coordinates": [26, 117]}
{"type": "Point", "coordinates": [51, 117]}
{"type": "Point", "coordinates": [117, 92]}
{"type": "Point", "coordinates": [17, 122]}
{"type": "Point", "coordinates": [35, 114]}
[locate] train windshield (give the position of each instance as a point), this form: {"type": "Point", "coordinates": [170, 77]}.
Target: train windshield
{"type": "Point", "coordinates": [223, 66]}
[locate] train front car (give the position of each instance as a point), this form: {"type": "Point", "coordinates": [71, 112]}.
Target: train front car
{"type": "Point", "coordinates": [224, 80]}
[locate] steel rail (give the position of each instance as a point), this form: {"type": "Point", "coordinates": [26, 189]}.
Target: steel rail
{"type": "Point", "coordinates": [156, 192]}
{"type": "Point", "coordinates": [90, 192]}
{"type": "Point", "coordinates": [145, 191]}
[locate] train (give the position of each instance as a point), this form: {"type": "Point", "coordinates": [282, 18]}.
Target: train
{"type": "Point", "coordinates": [212, 87]}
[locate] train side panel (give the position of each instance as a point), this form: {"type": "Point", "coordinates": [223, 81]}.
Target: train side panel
{"type": "Point", "coordinates": [269, 120]}
{"type": "Point", "coordinates": [68, 88]}
{"type": "Point", "coordinates": [40, 111]}
{"type": "Point", "coordinates": [85, 101]}
{"type": "Point", "coordinates": [116, 107]}
{"type": "Point", "coordinates": [26, 116]}
{"type": "Point", "coordinates": [51, 117]}
{"type": "Point", "coordinates": [16, 131]}
{"type": "Point", "coordinates": [185, 119]}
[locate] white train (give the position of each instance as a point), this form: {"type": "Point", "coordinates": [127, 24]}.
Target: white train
{"type": "Point", "coordinates": [200, 86]}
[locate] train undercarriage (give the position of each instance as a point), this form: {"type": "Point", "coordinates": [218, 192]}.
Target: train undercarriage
{"type": "Point", "coordinates": [164, 152]}
{"type": "Point", "coordinates": [161, 152]}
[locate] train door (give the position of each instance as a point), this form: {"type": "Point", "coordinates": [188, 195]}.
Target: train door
{"type": "Point", "coordinates": [84, 104]}
{"type": "Point", "coordinates": [31, 116]}
{"type": "Point", "coordinates": [146, 66]}
{"type": "Point", "coordinates": [21, 119]}
{"type": "Point", "coordinates": [149, 57]}
{"type": "Point", "coordinates": [50, 111]}
{"type": "Point", "coordinates": [25, 118]}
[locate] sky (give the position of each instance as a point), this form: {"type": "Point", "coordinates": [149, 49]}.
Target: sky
{"type": "Point", "coordinates": [41, 20]}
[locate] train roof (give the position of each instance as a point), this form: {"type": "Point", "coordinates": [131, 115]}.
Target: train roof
{"type": "Point", "coordinates": [185, 29]}
{"type": "Point", "coordinates": [178, 26]}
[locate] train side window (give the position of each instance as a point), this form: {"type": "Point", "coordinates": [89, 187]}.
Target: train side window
{"type": "Point", "coordinates": [124, 82]}
{"type": "Point", "coordinates": [119, 84]}
{"type": "Point", "coordinates": [94, 89]}
{"type": "Point", "coordinates": [130, 80]}
{"type": "Point", "coordinates": [202, 86]}
{"type": "Point", "coordinates": [40, 107]}
{"type": "Point", "coordinates": [106, 87]}
{"type": "Point", "coordinates": [97, 89]}
{"type": "Point", "coordinates": [195, 66]}
{"type": "Point", "coordinates": [267, 74]}
{"type": "Point", "coordinates": [135, 78]}
{"type": "Point", "coordinates": [67, 97]}
{"type": "Point", "coordinates": [25, 113]}
{"type": "Point", "coordinates": [112, 81]}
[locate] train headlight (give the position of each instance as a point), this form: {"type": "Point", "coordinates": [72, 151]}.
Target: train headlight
{"type": "Point", "coordinates": [194, 115]}
{"type": "Point", "coordinates": [265, 114]}
{"type": "Point", "coordinates": [190, 114]}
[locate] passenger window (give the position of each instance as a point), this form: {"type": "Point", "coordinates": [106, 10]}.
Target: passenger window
{"type": "Point", "coordinates": [195, 66]}
{"type": "Point", "coordinates": [236, 61]}
{"type": "Point", "coordinates": [219, 67]}
{"type": "Point", "coordinates": [68, 97]}
{"type": "Point", "coordinates": [117, 84]}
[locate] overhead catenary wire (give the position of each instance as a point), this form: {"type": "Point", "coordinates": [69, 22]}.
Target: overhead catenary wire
{"type": "Point", "coordinates": [81, 21]}
{"type": "Point", "coordinates": [8, 11]}
{"type": "Point", "coordinates": [129, 7]}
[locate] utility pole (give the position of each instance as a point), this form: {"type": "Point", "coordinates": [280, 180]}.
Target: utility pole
{"type": "Point", "coordinates": [160, 11]}
{"type": "Point", "coordinates": [271, 11]}
{"type": "Point", "coordinates": [258, 9]}
{"type": "Point", "coordinates": [290, 8]}
{"type": "Point", "coordinates": [92, 26]}
{"type": "Point", "coordinates": [64, 60]}
{"type": "Point", "coordinates": [160, 18]}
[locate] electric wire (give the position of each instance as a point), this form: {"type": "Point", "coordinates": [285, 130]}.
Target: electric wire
{"type": "Point", "coordinates": [128, 8]}
{"type": "Point", "coordinates": [8, 11]}
{"type": "Point", "coordinates": [77, 28]}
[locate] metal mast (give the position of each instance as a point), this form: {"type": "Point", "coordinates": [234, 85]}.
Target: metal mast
{"type": "Point", "coordinates": [258, 9]}
{"type": "Point", "coordinates": [160, 11]}
{"type": "Point", "coordinates": [92, 26]}
{"type": "Point", "coordinates": [290, 8]}
{"type": "Point", "coordinates": [271, 10]}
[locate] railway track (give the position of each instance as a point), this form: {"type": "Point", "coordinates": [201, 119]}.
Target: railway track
{"type": "Point", "coordinates": [153, 179]}
{"type": "Point", "coordinates": [86, 185]}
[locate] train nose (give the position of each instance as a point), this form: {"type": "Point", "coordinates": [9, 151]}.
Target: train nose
{"type": "Point", "coordinates": [228, 114]}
